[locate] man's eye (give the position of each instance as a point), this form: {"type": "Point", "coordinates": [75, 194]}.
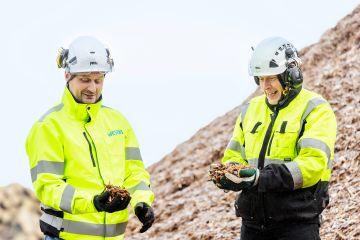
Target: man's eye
{"type": "Point", "coordinates": [99, 81]}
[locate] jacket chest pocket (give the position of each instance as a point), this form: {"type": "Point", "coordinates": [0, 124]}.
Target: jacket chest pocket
{"type": "Point", "coordinates": [116, 147]}
{"type": "Point", "coordinates": [254, 136]}
{"type": "Point", "coordinates": [283, 144]}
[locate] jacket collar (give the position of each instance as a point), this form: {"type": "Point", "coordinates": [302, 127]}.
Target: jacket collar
{"type": "Point", "coordinates": [80, 111]}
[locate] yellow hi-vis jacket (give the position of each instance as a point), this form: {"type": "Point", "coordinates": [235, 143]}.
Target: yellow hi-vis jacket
{"type": "Point", "coordinates": [74, 150]}
{"type": "Point", "coordinates": [293, 147]}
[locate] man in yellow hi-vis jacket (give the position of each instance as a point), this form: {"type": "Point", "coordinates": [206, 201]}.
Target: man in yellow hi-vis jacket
{"type": "Point", "coordinates": [78, 147]}
{"type": "Point", "coordinates": [287, 135]}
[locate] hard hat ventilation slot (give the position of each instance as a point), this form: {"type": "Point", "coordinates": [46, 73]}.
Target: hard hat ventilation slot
{"type": "Point", "coordinates": [72, 61]}
{"type": "Point", "coordinates": [273, 64]}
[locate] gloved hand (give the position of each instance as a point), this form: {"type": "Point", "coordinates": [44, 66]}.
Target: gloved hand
{"type": "Point", "coordinates": [145, 214]}
{"type": "Point", "coordinates": [248, 177]}
{"type": "Point", "coordinates": [101, 203]}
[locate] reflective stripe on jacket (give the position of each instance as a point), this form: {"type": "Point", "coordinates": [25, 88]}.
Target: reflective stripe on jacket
{"type": "Point", "coordinates": [74, 150]}
{"type": "Point", "coordinates": [293, 147]}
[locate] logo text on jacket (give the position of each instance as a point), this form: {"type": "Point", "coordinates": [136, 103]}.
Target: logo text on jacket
{"type": "Point", "coordinates": [115, 132]}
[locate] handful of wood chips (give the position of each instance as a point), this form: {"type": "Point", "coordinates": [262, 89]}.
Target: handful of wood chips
{"type": "Point", "coordinates": [116, 191]}
{"type": "Point", "coordinates": [218, 170]}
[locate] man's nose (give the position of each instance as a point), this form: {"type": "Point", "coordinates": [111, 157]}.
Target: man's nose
{"type": "Point", "coordinates": [91, 86]}
{"type": "Point", "coordinates": [267, 83]}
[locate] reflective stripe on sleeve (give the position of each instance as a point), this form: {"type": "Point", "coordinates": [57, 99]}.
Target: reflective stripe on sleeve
{"type": "Point", "coordinates": [76, 227]}
{"type": "Point", "coordinates": [132, 153]}
{"type": "Point", "coordinates": [44, 166]}
{"type": "Point", "coordinates": [292, 166]}
{"type": "Point", "coordinates": [54, 221]}
{"type": "Point", "coordinates": [313, 103]}
{"type": "Point", "coordinates": [51, 210]}
{"type": "Point", "coordinates": [243, 112]}
{"type": "Point", "coordinates": [66, 198]}
{"type": "Point", "coordinates": [317, 144]}
{"type": "Point", "coordinates": [237, 147]}
{"type": "Point", "coordinates": [295, 173]}
{"type": "Point", "coordinates": [330, 163]}
{"type": "Point", "coordinates": [140, 186]}
{"type": "Point", "coordinates": [254, 161]}
{"type": "Point", "coordinates": [53, 109]}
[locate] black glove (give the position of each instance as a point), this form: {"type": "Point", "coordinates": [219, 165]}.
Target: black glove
{"type": "Point", "coordinates": [248, 177]}
{"type": "Point", "coordinates": [101, 203]}
{"type": "Point", "coordinates": [145, 214]}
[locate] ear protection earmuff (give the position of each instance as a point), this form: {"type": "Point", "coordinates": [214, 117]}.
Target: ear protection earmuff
{"type": "Point", "coordinates": [109, 58]}
{"type": "Point", "coordinates": [62, 57]}
{"type": "Point", "coordinates": [256, 78]}
{"type": "Point", "coordinates": [292, 77]}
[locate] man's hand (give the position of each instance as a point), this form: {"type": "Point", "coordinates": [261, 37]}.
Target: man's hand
{"type": "Point", "coordinates": [246, 178]}
{"type": "Point", "coordinates": [145, 214]}
{"type": "Point", "coordinates": [102, 204]}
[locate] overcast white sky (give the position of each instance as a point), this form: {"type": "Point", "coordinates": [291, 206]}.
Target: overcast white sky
{"type": "Point", "coordinates": [178, 64]}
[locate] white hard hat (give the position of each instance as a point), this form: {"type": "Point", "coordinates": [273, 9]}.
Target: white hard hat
{"type": "Point", "coordinates": [85, 54]}
{"type": "Point", "coordinates": [269, 57]}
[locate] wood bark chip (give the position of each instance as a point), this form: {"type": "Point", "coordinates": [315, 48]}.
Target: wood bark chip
{"type": "Point", "coordinates": [116, 191]}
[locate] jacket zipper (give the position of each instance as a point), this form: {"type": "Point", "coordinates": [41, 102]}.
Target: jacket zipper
{"type": "Point", "coordinates": [271, 139]}
{"type": "Point", "coordinates": [90, 149]}
{"type": "Point", "coordinates": [261, 159]}
{"type": "Point", "coordinates": [264, 146]}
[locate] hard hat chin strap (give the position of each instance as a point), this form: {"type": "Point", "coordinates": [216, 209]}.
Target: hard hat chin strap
{"type": "Point", "coordinates": [288, 94]}
{"type": "Point", "coordinates": [285, 91]}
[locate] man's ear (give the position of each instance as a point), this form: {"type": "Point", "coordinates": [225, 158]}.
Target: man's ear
{"type": "Point", "coordinates": [67, 76]}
